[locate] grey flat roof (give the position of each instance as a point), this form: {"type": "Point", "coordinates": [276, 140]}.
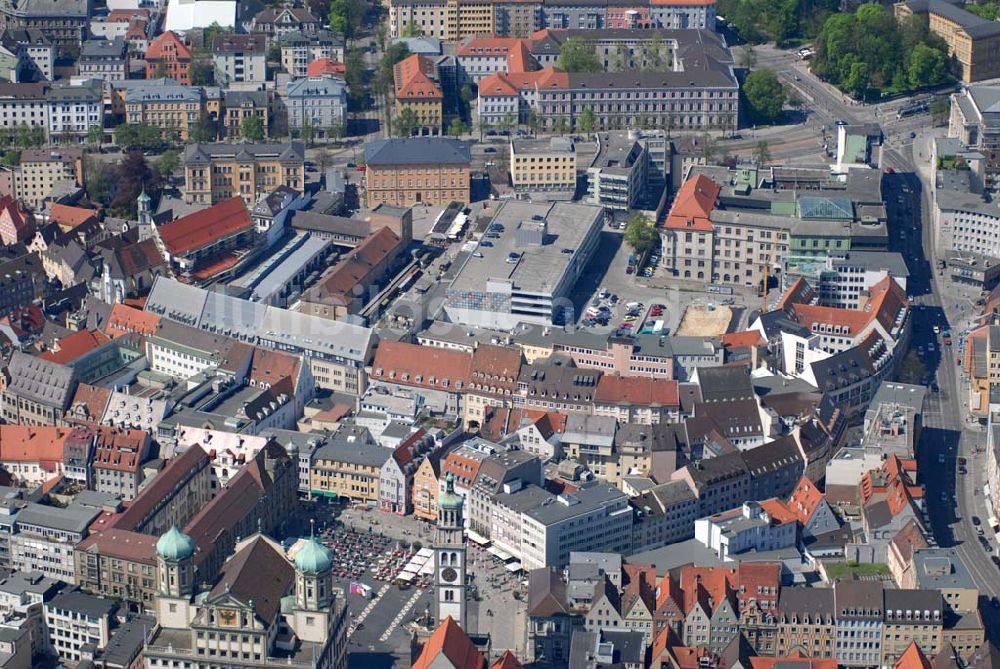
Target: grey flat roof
{"type": "Point", "coordinates": [892, 392]}
{"type": "Point", "coordinates": [551, 145]}
{"type": "Point", "coordinates": [274, 280]}
{"type": "Point", "coordinates": [540, 267]}
{"type": "Point", "coordinates": [73, 518]}
{"type": "Point", "coordinates": [584, 500]}
{"type": "Point", "coordinates": [127, 641]}
{"type": "Point", "coordinates": [952, 200]}
{"type": "Point", "coordinates": [941, 568]}
{"type": "Point", "coordinates": [893, 262]}
{"type": "Point", "coordinates": [74, 600]}
{"type": "Point", "coordinates": [20, 582]}
{"type": "Point", "coordinates": [255, 322]}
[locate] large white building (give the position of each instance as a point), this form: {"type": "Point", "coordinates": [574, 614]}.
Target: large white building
{"type": "Point", "coordinates": [75, 109]}
{"type": "Point", "coordinates": [756, 526]}
{"type": "Point", "coordinates": [526, 265]}
{"type": "Point", "coordinates": [541, 529]}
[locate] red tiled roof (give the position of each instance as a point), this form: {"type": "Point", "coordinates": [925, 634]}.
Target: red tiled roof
{"type": "Point", "coordinates": [519, 58]}
{"type": "Point", "coordinates": [805, 499]}
{"type": "Point", "coordinates": [454, 644]}
{"type": "Point", "coordinates": [422, 366]}
{"type": "Point", "coordinates": [796, 660]}
{"type": "Point", "coordinates": [413, 79]}
{"type": "Point", "coordinates": [32, 443]}
{"type": "Point", "coordinates": [70, 217]}
{"type": "Point", "coordinates": [321, 66]}
{"type": "Point", "coordinates": [885, 303]}
{"type": "Point", "coordinates": [495, 368]}
{"type": "Point", "coordinates": [157, 48]}
{"type": "Point", "coordinates": [507, 661]}
{"type": "Point", "coordinates": [204, 227]}
{"type": "Point", "coordinates": [693, 205]}
{"type": "Point", "coordinates": [743, 339]}
{"type": "Point", "coordinates": [800, 292]}
{"type": "Point", "coordinates": [779, 512]}
{"type": "Point", "coordinates": [912, 658]}
{"type": "Point", "coordinates": [337, 285]}
{"type": "Point", "coordinates": [119, 449]}
{"type": "Point", "coordinates": [91, 400]}
{"type": "Point", "coordinates": [484, 45]}
{"type": "Point", "coordinates": [644, 391]}
{"type": "Point", "coordinates": [497, 84]}
{"type": "Point", "coordinates": [269, 367]}
{"type": "Point", "coordinates": [164, 482]}
{"type": "Point", "coordinates": [22, 223]}
{"type": "Point", "coordinates": [73, 346]}
{"type": "Point", "coordinates": [126, 15]}
{"type": "Point", "coordinates": [124, 319]}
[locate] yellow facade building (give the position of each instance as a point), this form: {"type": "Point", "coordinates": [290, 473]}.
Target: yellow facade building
{"type": "Point", "coordinates": [417, 88]}
{"type": "Point", "coordinates": [973, 42]}
{"type": "Point", "coordinates": [543, 165]}
{"type": "Point", "coordinates": [348, 465]}
{"type": "Point", "coordinates": [216, 172]}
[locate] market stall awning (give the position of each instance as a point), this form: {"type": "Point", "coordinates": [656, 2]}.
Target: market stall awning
{"type": "Point", "coordinates": [514, 566]}
{"type": "Point", "coordinates": [499, 554]}
{"type": "Point", "coordinates": [478, 538]}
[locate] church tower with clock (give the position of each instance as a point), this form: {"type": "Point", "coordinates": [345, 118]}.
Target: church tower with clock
{"type": "Point", "coordinates": [449, 556]}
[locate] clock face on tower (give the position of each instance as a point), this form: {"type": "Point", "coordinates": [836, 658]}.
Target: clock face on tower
{"type": "Point", "coordinates": [448, 575]}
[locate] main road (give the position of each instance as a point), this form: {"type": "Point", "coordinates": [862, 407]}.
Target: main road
{"type": "Point", "coordinates": [952, 499]}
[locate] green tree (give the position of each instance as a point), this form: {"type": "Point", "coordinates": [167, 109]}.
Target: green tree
{"type": "Point", "coordinates": [201, 72]}
{"type": "Point", "coordinates": [95, 134]}
{"type": "Point", "coordinates": [204, 130]}
{"type": "Point", "coordinates": [640, 234]}
{"type": "Point", "coordinates": [139, 136]}
{"type": "Point", "coordinates": [412, 30]}
{"type": "Point", "coordinates": [708, 148]}
{"type": "Point", "coordinates": [252, 128]}
{"type": "Point", "coordinates": [10, 158]}
{"type": "Point", "coordinates": [406, 122]}
{"type": "Point", "coordinates": [336, 131]}
{"type": "Point", "coordinates": [655, 55]}
{"type": "Point", "coordinates": [857, 79]}
{"type": "Point", "coordinates": [169, 161]}
{"type": "Point", "coordinates": [23, 136]}
{"type": "Point", "coordinates": [456, 128]}
{"type": "Point", "coordinates": [100, 181]}
{"type": "Point", "coordinates": [36, 136]}
{"type": "Point", "coordinates": [764, 95]}
{"type": "Point", "coordinates": [209, 34]}
{"type": "Point", "coordinates": [748, 58]}
{"type": "Point", "coordinates": [484, 126]}
{"type": "Point", "coordinates": [307, 133]}
{"type": "Point", "coordinates": [507, 122]}
{"type": "Point", "coordinates": [466, 93]}
{"type": "Point", "coordinates": [533, 122]}
{"type": "Point", "coordinates": [357, 78]}
{"type": "Point", "coordinates": [986, 10]}
{"type": "Point", "coordinates": [274, 52]}
{"type": "Point", "coordinates": [577, 55]}
{"type": "Point", "coordinates": [762, 153]}
{"type": "Point", "coordinates": [940, 109]}
{"type": "Point", "coordinates": [562, 125]}
{"type": "Point", "coordinates": [928, 66]}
